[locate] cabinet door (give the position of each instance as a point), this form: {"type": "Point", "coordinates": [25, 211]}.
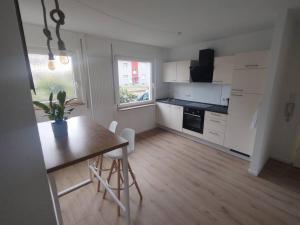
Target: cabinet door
{"type": "Point", "coordinates": [240, 134]}
{"type": "Point", "coordinates": [169, 72]}
{"type": "Point", "coordinates": [163, 111]}
{"type": "Point", "coordinates": [223, 70]}
{"type": "Point", "coordinates": [176, 116]}
{"type": "Point", "coordinates": [249, 80]}
{"type": "Point", "coordinates": [183, 71]}
{"type": "Point", "coordinates": [214, 136]}
{"type": "Point", "coordinates": [250, 60]}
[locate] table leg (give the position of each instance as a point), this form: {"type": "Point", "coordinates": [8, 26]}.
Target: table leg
{"type": "Point", "coordinates": [126, 185]}
{"type": "Point", "coordinates": [55, 200]}
{"type": "Point", "coordinates": [90, 172]}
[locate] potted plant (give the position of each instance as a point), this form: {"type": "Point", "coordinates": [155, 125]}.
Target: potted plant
{"type": "Point", "coordinates": [57, 111]}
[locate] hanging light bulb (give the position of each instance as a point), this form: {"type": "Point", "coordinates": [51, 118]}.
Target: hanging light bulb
{"type": "Point", "coordinates": [51, 61]}
{"type": "Point", "coordinates": [63, 57]}
{"type": "Point", "coordinates": [51, 65]}
{"type": "Point", "coordinates": [47, 33]}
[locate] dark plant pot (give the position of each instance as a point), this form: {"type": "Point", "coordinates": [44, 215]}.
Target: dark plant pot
{"type": "Point", "coordinates": [60, 128]}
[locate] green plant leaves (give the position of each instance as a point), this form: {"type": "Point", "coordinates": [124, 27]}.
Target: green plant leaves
{"type": "Point", "coordinates": [56, 110]}
{"type": "Point", "coordinates": [42, 106]}
{"type": "Point", "coordinates": [50, 99]}
{"type": "Point", "coordinates": [61, 97]}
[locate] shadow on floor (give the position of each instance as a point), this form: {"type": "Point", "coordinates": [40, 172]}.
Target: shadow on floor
{"type": "Point", "coordinates": [282, 174]}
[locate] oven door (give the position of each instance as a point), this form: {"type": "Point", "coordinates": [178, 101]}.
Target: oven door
{"type": "Point", "coordinates": [193, 122]}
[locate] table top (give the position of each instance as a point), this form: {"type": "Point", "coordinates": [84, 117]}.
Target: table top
{"type": "Point", "coordinates": [86, 139]}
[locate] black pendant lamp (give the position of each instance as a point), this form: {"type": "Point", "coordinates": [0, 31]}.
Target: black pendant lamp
{"type": "Point", "coordinates": [58, 17]}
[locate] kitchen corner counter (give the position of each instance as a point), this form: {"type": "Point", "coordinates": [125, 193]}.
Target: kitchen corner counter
{"type": "Point", "coordinates": [199, 105]}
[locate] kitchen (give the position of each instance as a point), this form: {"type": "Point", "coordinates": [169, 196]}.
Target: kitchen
{"type": "Point", "coordinates": [174, 121]}
{"type": "Point", "coordinates": [229, 122]}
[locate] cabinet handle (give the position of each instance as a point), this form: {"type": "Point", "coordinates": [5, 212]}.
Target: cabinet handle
{"type": "Point", "coordinates": [213, 133]}
{"type": "Point", "coordinates": [192, 115]}
{"type": "Point", "coordinates": [216, 121]}
{"type": "Point", "coordinates": [217, 81]}
{"type": "Point", "coordinates": [252, 65]}
{"type": "Point", "coordinates": [239, 95]}
{"type": "Point", "coordinates": [237, 89]}
{"type": "Point", "coordinates": [215, 114]}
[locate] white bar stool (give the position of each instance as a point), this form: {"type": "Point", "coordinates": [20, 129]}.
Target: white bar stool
{"type": "Point", "coordinates": [116, 156]}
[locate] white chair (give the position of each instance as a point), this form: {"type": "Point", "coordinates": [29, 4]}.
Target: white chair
{"type": "Point", "coordinates": [117, 161]}
{"type": "Point", "coordinates": [112, 128]}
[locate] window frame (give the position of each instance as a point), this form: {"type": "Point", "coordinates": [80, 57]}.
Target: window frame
{"type": "Point", "coordinates": [116, 81]}
{"type": "Point", "coordinates": [76, 70]}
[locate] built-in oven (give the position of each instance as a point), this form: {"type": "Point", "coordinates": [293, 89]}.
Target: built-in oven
{"type": "Point", "coordinates": [193, 119]}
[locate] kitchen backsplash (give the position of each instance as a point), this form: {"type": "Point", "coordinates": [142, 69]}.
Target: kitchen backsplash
{"type": "Point", "coordinates": [201, 92]}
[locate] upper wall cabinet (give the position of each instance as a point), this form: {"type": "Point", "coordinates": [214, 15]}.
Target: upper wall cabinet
{"type": "Point", "coordinates": [170, 72]}
{"type": "Point", "coordinates": [183, 71]}
{"type": "Point", "coordinates": [251, 60]}
{"type": "Point", "coordinates": [177, 71]}
{"type": "Point", "coordinates": [223, 70]}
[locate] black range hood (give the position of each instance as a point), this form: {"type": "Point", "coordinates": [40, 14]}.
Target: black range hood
{"type": "Point", "coordinates": [202, 70]}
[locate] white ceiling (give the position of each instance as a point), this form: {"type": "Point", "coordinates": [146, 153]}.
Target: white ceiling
{"type": "Point", "coordinates": [157, 22]}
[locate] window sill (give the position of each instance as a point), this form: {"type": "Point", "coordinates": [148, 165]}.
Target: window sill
{"type": "Point", "coordinates": [136, 107]}
{"type": "Point", "coordinates": [71, 104]}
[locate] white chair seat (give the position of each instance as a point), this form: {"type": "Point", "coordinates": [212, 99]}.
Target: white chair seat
{"type": "Point", "coordinates": [116, 154]}
{"type": "Point", "coordinates": [128, 134]}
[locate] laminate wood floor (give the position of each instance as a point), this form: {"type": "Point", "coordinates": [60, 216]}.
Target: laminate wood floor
{"type": "Point", "coordinates": [187, 183]}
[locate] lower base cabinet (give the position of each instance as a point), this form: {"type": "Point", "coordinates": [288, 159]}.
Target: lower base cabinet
{"type": "Point", "coordinates": [214, 127]}
{"type": "Point", "coordinates": [214, 136]}
{"type": "Point", "coordinates": [170, 116]}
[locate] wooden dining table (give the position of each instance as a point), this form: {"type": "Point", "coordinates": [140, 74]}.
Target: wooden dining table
{"type": "Point", "coordinates": [85, 140]}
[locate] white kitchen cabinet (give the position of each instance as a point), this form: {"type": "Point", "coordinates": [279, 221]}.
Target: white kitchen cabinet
{"type": "Point", "coordinates": [214, 136]}
{"type": "Point", "coordinates": [177, 71]}
{"type": "Point", "coordinates": [170, 72]}
{"type": "Point", "coordinates": [170, 116]}
{"type": "Point", "coordinates": [176, 117]}
{"type": "Point", "coordinates": [240, 136]}
{"type": "Point", "coordinates": [240, 131]}
{"type": "Point", "coordinates": [214, 127]}
{"type": "Point", "coordinates": [183, 71]}
{"type": "Point", "coordinates": [249, 80]}
{"type": "Point", "coordinates": [163, 111]}
{"type": "Point", "coordinates": [223, 70]}
{"type": "Point", "coordinates": [244, 105]}
{"type": "Point", "coordinates": [250, 60]}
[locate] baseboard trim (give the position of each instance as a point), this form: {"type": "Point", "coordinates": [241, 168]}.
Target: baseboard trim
{"type": "Point", "coordinates": [253, 172]}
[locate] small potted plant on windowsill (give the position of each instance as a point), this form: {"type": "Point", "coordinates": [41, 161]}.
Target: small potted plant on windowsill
{"type": "Point", "coordinates": [57, 111]}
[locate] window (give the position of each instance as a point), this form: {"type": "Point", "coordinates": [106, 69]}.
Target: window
{"type": "Point", "coordinates": [47, 81]}
{"type": "Point", "coordinates": [133, 82]}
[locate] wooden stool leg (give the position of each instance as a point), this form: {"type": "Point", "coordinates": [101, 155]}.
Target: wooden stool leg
{"type": "Point", "coordinates": [109, 176]}
{"type": "Point", "coordinates": [99, 170]}
{"type": "Point", "coordinates": [135, 182]}
{"type": "Point", "coordinates": [119, 186]}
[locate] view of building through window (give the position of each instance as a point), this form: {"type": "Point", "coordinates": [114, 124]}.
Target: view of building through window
{"type": "Point", "coordinates": [47, 81]}
{"type": "Point", "coordinates": [134, 81]}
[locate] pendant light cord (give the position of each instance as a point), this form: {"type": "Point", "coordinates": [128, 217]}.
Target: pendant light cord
{"type": "Point", "coordinates": [47, 32]}
{"type": "Point", "coordinates": [59, 20]}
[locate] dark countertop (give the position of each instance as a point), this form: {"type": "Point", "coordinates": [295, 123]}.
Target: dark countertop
{"type": "Point", "coordinates": [199, 105]}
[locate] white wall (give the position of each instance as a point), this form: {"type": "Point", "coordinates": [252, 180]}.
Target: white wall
{"type": "Point", "coordinates": [24, 191]}
{"type": "Point", "coordinates": [97, 77]}
{"type": "Point", "coordinates": [212, 93]}
{"type": "Point", "coordinates": [201, 92]}
{"type": "Point", "coordinates": [284, 133]}
{"type": "Point", "coordinates": [101, 81]}
{"type": "Point", "coordinates": [278, 55]}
